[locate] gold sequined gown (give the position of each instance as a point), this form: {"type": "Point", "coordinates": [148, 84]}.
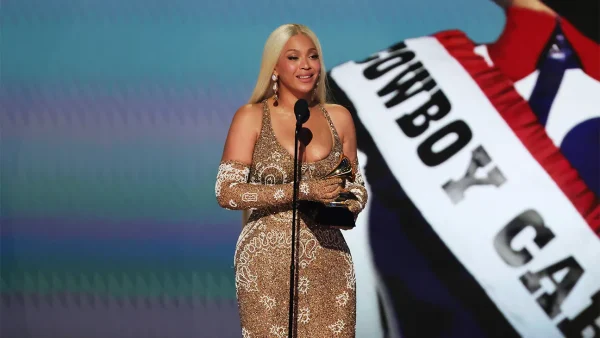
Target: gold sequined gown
{"type": "Point", "coordinates": [325, 304]}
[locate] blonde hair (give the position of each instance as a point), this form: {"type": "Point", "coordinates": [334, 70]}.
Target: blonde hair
{"type": "Point", "coordinates": [273, 47]}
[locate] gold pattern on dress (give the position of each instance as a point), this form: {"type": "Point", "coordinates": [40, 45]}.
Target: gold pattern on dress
{"type": "Point", "coordinates": [342, 299]}
{"type": "Point", "coordinates": [337, 327]}
{"type": "Point", "coordinates": [325, 304]}
{"type": "Point", "coordinates": [268, 302]}
{"type": "Point", "coordinates": [278, 331]}
{"type": "Point", "coordinates": [308, 248]}
{"type": "Point", "coordinates": [350, 276]}
{"type": "Point", "coordinates": [304, 189]}
{"type": "Point", "coordinates": [304, 315]}
{"type": "Point", "coordinates": [303, 285]}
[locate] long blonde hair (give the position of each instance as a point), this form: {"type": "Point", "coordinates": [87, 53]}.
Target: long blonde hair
{"type": "Point", "coordinates": [273, 47]}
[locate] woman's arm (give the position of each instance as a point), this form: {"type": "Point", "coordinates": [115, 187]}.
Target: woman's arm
{"type": "Point", "coordinates": [235, 193]}
{"type": "Point", "coordinates": [345, 126]}
{"type": "Point", "coordinates": [232, 189]}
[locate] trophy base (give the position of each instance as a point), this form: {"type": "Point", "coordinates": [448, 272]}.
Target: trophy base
{"type": "Point", "coordinates": [333, 215]}
{"type": "Point", "coordinates": [336, 204]}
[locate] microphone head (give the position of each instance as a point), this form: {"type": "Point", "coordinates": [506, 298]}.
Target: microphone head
{"type": "Point", "coordinates": [301, 111]}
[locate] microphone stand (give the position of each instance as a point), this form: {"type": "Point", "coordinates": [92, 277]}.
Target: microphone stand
{"type": "Point", "coordinates": [294, 207]}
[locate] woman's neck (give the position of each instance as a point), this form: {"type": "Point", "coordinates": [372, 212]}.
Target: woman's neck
{"type": "Point", "coordinates": [287, 100]}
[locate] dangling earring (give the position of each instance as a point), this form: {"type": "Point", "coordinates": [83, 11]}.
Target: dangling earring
{"type": "Point", "coordinates": [275, 97]}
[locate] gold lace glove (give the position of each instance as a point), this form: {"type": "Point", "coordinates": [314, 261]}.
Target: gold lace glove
{"type": "Point", "coordinates": [233, 191]}
{"type": "Point", "coordinates": [357, 187]}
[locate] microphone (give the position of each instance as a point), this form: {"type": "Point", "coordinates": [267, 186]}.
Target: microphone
{"type": "Point", "coordinates": [302, 114]}
{"type": "Point", "coordinates": [301, 111]}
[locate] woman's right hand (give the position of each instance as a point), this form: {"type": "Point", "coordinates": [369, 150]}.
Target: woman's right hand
{"type": "Point", "coordinates": [322, 190]}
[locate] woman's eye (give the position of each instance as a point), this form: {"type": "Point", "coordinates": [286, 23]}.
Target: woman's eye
{"type": "Point", "coordinates": [314, 57]}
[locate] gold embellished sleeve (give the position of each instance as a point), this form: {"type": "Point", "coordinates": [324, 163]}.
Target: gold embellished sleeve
{"type": "Point", "coordinates": [357, 187]}
{"type": "Point", "coordinates": [235, 193]}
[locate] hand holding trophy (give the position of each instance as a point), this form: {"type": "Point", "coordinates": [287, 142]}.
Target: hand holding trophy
{"type": "Point", "coordinates": [344, 171]}
{"type": "Point", "coordinates": [336, 213]}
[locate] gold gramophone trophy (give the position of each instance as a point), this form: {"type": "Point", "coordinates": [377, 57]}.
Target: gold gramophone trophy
{"type": "Point", "coordinates": [344, 171]}
{"type": "Point", "coordinates": [336, 214]}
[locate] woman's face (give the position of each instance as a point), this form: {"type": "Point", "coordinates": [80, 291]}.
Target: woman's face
{"type": "Point", "coordinates": [298, 66]}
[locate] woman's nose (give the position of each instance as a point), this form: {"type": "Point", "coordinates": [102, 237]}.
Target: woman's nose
{"type": "Point", "coordinates": [305, 64]}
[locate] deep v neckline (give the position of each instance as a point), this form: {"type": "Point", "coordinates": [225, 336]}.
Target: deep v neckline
{"type": "Point", "coordinates": [332, 131]}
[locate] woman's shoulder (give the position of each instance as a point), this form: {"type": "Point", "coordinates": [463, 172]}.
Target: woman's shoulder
{"type": "Point", "coordinates": [249, 114]}
{"type": "Point", "coordinates": [340, 116]}
{"type": "Point", "coordinates": [250, 110]}
{"type": "Point", "coordinates": [338, 110]}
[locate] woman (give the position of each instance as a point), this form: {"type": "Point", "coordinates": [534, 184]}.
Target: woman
{"type": "Point", "coordinates": [256, 173]}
